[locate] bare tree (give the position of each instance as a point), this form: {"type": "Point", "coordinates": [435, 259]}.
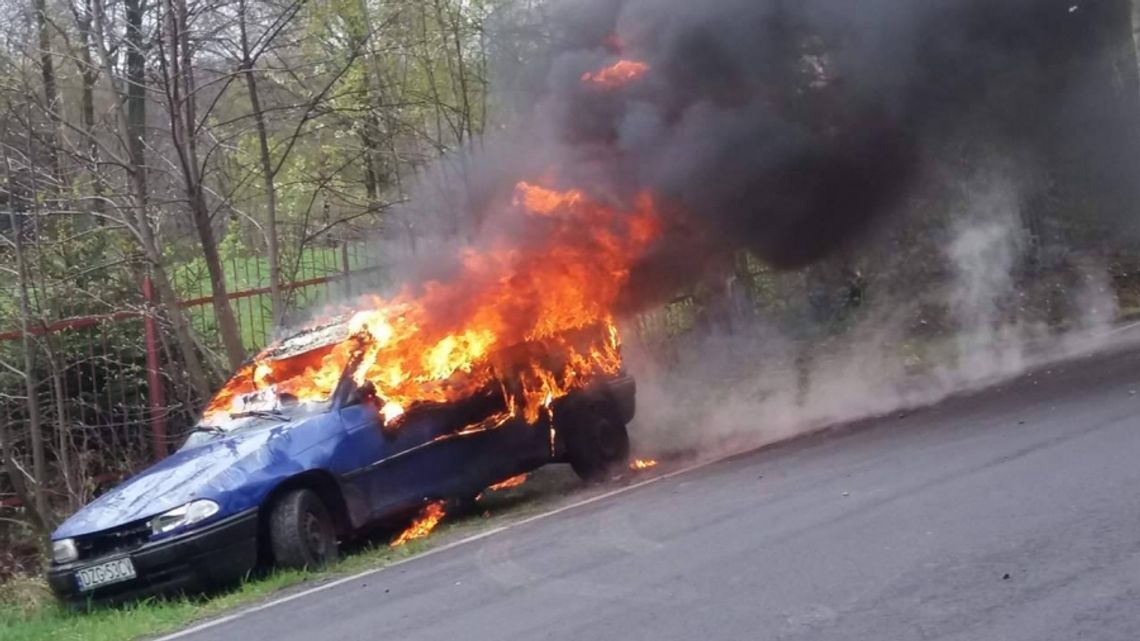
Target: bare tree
{"type": "Point", "coordinates": [177, 64]}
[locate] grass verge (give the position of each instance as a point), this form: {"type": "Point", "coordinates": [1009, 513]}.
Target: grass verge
{"type": "Point", "coordinates": [29, 613]}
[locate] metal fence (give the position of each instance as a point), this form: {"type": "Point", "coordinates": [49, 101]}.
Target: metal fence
{"type": "Point", "coordinates": [103, 388]}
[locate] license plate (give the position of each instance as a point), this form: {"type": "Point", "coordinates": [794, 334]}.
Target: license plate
{"type": "Point", "coordinates": [105, 573]}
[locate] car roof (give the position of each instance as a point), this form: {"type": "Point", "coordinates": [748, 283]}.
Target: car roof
{"type": "Point", "coordinates": [313, 337]}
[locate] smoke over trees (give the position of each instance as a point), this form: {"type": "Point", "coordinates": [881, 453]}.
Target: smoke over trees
{"type": "Point", "coordinates": [792, 130]}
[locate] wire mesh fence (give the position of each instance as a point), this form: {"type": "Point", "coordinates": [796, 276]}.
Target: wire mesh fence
{"type": "Point", "coordinates": [314, 277]}
{"type": "Point", "coordinates": [93, 376]}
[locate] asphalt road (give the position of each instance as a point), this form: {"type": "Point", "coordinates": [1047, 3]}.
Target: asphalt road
{"type": "Point", "coordinates": [1012, 514]}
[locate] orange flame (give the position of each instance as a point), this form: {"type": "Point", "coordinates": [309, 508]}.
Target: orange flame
{"type": "Point", "coordinates": [532, 319]}
{"type": "Point", "coordinates": [429, 517]}
{"type": "Point", "coordinates": [642, 464]}
{"type": "Point", "coordinates": [616, 75]}
{"type": "Point", "coordinates": [514, 481]}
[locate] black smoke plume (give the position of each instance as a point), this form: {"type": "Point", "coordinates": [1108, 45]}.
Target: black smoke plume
{"type": "Point", "coordinates": [792, 128]}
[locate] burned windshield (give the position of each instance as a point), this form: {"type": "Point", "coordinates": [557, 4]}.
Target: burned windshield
{"type": "Point", "coordinates": [289, 376]}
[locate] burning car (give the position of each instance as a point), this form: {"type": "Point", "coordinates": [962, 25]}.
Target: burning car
{"type": "Point", "coordinates": [271, 474]}
{"type": "Point", "coordinates": [510, 362]}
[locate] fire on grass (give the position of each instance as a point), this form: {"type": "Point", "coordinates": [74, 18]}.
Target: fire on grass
{"type": "Point", "coordinates": [425, 522]}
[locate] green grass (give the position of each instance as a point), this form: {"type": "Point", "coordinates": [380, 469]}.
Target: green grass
{"type": "Point", "coordinates": [50, 622]}
{"type": "Point", "coordinates": [250, 271]}
{"type": "Point", "coordinates": [28, 612]}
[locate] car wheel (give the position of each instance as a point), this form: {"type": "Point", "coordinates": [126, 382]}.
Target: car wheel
{"type": "Point", "coordinates": [597, 442]}
{"type": "Point", "coordinates": [301, 531]}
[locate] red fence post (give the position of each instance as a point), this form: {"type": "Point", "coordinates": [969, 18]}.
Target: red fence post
{"type": "Point", "coordinates": [155, 392]}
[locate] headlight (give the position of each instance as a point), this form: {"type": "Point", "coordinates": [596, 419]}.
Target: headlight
{"type": "Point", "coordinates": [64, 551]}
{"type": "Point", "coordinates": [183, 515]}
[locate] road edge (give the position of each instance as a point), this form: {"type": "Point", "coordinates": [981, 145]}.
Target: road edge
{"type": "Point", "coordinates": [260, 607]}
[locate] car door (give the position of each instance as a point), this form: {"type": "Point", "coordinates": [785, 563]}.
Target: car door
{"type": "Point", "coordinates": [398, 468]}
{"type": "Point", "coordinates": [365, 447]}
{"type": "Point", "coordinates": [458, 449]}
{"type": "Point", "coordinates": [434, 452]}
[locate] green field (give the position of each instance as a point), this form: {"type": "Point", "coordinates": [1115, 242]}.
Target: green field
{"type": "Point", "coordinates": [244, 273]}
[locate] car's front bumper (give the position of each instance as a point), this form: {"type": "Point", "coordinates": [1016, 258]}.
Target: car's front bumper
{"type": "Point", "coordinates": [216, 554]}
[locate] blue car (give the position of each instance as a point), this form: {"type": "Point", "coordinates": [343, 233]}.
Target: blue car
{"type": "Point", "coordinates": [284, 482]}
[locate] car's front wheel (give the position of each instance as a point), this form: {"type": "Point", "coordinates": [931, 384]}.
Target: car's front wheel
{"type": "Point", "coordinates": [301, 531]}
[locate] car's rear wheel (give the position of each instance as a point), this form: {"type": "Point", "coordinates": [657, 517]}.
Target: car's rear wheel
{"type": "Point", "coordinates": [301, 531]}
{"type": "Point", "coordinates": [597, 443]}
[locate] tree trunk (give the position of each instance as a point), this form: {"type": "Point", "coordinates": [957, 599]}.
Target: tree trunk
{"type": "Point", "coordinates": [89, 74]}
{"type": "Point", "coordinates": [51, 92]}
{"type": "Point", "coordinates": [372, 133]}
{"type": "Point", "coordinates": [63, 434]}
{"type": "Point", "coordinates": [35, 428]}
{"type": "Point", "coordinates": [181, 97]}
{"type": "Point", "coordinates": [267, 173]}
{"type": "Point", "coordinates": [373, 164]}
{"type": "Point", "coordinates": [450, 24]}
{"type": "Point", "coordinates": [135, 129]}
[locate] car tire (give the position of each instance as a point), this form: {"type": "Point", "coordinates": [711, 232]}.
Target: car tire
{"type": "Point", "coordinates": [301, 532]}
{"type": "Point", "coordinates": [597, 443]}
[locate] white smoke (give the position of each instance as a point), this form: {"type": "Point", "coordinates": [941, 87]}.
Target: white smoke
{"type": "Point", "coordinates": [987, 244]}
{"type": "Point", "coordinates": [753, 384]}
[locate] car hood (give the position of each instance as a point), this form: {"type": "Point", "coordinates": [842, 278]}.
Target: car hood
{"type": "Point", "coordinates": [204, 471]}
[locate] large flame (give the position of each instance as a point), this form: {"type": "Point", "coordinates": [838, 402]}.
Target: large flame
{"type": "Point", "coordinates": [532, 315]}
